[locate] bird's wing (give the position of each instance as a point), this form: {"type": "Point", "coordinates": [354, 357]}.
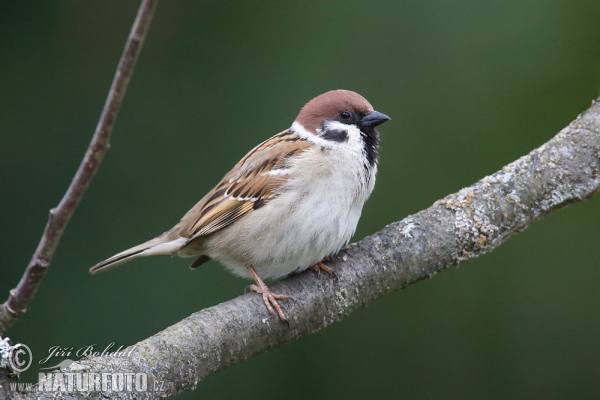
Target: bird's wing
{"type": "Point", "coordinates": [252, 183]}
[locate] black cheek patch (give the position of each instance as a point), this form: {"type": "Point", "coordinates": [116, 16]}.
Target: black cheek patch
{"type": "Point", "coordinates": [335, 135]}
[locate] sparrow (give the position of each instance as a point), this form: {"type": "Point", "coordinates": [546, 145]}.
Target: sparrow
{"type": "Point", "coordinates": [289, 203]}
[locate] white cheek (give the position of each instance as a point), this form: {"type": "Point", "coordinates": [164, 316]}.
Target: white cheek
{"type": "Point", "coordinates": [354, 142]}
{"type": "Point", "coordinates": [304, 134]}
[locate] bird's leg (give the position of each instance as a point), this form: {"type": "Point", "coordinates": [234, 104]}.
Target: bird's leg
{"type": "Point", "coordinates": [320, 266]}
{"type": "Point", "coordinates": [269, 297]}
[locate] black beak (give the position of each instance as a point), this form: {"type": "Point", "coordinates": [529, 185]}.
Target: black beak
{"type": "Point", "coordinates": [374, 118]}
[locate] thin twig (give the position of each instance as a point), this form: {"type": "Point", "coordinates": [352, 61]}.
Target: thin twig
{"type": "Point", "coordinates": [19, 297]}
{"type": "Point", "coordinates": [455, 229]}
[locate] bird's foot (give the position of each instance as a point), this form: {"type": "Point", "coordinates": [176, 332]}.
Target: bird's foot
{"type": "Point", "coordinates": [320, 266]}
{"type": "Point", "coordinates": [269, 297]}
{"type": "Point", "coordinates": [270, 300]}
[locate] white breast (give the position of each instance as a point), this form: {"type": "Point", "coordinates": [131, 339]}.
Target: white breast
{"type": "Point", "coordinates": [315, 216]}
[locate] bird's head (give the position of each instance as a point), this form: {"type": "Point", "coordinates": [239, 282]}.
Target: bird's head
{"type": "Point", "coordinates": [343, 117]}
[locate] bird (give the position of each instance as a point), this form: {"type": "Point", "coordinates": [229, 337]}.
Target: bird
{"type": "Point", "coordinates": [287, 205]}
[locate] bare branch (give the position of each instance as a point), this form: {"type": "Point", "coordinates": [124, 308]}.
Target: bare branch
{"type": "Point", "coordinates": [16, 304]}
{"type": "Point", "coordinates": [461, 226]}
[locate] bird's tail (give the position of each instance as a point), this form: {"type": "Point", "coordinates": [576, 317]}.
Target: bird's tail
{"type": "Point", "coordinates": [154, 247]}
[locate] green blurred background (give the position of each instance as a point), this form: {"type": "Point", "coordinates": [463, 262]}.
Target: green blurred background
{"type": "Point", "coordinates": [470, 85]}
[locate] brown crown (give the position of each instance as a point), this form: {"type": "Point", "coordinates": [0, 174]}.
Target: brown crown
{"type": "Point", "coordinates": [329, 105]}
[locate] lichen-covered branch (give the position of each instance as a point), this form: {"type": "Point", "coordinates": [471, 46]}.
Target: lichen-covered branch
{"type": "Point", "coordinates": [20, 296]}
{"type": "Point", "coordinates": [461, 226]}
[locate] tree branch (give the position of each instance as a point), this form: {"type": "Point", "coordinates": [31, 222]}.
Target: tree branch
{"type": "Point", "coordinates": [459, 227]}
{"type": "Point", "coordinates": [16, 304]}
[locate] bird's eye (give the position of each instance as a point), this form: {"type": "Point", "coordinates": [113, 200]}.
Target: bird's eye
{"type": "Point", "coordinates": [345, 115]}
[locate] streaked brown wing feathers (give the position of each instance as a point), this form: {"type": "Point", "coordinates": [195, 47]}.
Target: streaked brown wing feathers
{"type": "Point", "coordinates": [252, 183]}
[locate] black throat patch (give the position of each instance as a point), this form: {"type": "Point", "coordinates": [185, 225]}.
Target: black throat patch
{"type": "Point", "coordinates": [371, 142]}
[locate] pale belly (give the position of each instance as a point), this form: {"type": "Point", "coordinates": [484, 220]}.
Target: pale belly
{"type": "Point", "coordinates": [284, 239]}
{"type": "Point", "coordinates": [312, 219]}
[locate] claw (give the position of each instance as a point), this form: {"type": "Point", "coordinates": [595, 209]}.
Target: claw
{"type": "Point", "coordinates": [320, 266]}
{"type": "Point", "coordinates": [269, 298]}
